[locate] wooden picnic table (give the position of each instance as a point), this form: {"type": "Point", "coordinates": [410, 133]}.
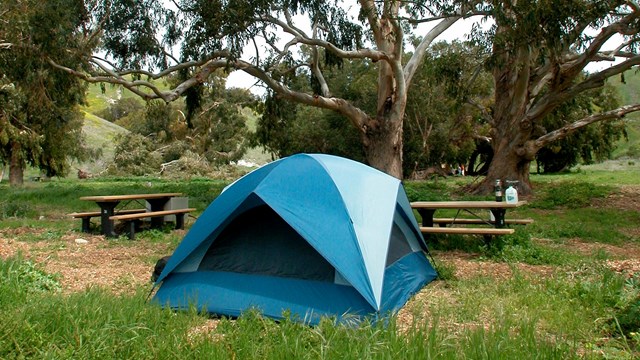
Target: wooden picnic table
{"type": "Point", "coordinates": [426, 209]}
{"type": "Point", "coordinates": [108, 204]}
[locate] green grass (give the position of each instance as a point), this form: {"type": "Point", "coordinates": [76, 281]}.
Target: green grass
{"type": "Point", "coordinates": [96, 324]}
{"type": "Point", "coordinates": [579, 308]}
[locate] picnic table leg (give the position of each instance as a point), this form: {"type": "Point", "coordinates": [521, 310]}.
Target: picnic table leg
{"type": "Point", "coordinates": [157, 205]}
{"type": "Point", "coordinates": [107, 210]}
{"type": "Point", "coordinates": [427, 216]}
{"type": "Point", "coordinates": [132, 229]}
{"type": "Point", "coordinates": [499, 214]}
{"type": "Point", "coordinates": [179, 221]}
{"type": "Point", "coordinates": [86, 224]}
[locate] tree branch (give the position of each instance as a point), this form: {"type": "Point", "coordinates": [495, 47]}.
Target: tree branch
{"type": "Point", "coordinates": [420, 51]}
{"type": "Point", "coordinates": [315, 67]}
{"type": "Point", "coordinates": [369, 8]}
{"type": "Point", "coordinates": [135, 86]}
{"type": "Point", "coordinates": [301, 38]}
{"type": "Point", "coordinates": [355, 115]}
{"type": "Point", "coordinates": [568, 129]}
{"type": "Point", "coordinates": [574, 67]}
{"type": "Point", "coordinates": [549, 101]}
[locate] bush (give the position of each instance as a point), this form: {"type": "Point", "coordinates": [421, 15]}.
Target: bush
{"type": "Point", "coordinates": [121, 108]}
{"type": "Point", "coordinates": [189, 164]}
{"type": "Point", "coordinates": [634, 151]}
{"type": "Point", "coordinates": [135, 155]}
{"type": "Point", "coordinates": [627, 314]}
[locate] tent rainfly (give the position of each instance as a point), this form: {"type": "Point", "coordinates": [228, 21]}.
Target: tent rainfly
{"type": "Point", "coordinates": [314, 235]}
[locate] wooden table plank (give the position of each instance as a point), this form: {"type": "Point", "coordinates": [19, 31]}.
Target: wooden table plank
{"type": "Point", "coordinates": [465, 204]}
{"type": "Point", "coordinates": [465, 231]}
{"type": "Point", "coordinates": [116, 198]}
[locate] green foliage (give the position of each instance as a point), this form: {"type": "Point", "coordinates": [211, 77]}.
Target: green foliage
{"type": "Point", "coordinates": [518, 248]}
{"type": "Point", "coordinates": [25, 278]}
{"type": "Point", "coordinates": [120, 108]}
{"type": "Point", "coordinates": [588, 144]}
{"type": "Point", "coordinates": [426, 191]}
{"type": "Point", "coordinates": [627, 316]}
{"type": "Point", "coordinates": [220, 133]}
{"type": "Point", "coordinates": [286, 128]}
{"type": "Point", "coordinates": [446, 271]}
{"type": "Point", "coordinates": [577, 309]}
{"type": "Point", "coordinates": [570, 194]}
{"type": "Point", "coordinates": [135, 155]}
{"type": "Point", "coordinates": [634, 151]}
{"type": "Point", "coordinates": [440, 127]}
{"type": "Point", "coordinates": [13, 209]}
{"type": "Point", "coordinates": [40, 124]}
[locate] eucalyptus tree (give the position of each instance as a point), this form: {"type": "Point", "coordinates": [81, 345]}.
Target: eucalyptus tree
{"type": "Point", "coordinates": [539, 50]}
{"type": "Point", "coordinates": [138, 35]}
{"type": "Point", "coordinates": [40, 124]}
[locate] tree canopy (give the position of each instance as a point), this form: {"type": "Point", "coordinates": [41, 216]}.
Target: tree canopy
{"type": "Point", "coordinates": [212, 35]}
{"type": "Point", "coordinates": [536, 51]}
{"type": "Point", "coordinates": [40, 124]}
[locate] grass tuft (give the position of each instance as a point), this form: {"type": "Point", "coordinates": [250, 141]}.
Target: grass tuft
{"type": "Point", "coordinates": [570, 195]}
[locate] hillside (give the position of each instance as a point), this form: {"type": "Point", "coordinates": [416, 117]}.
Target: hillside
{"type": "Point", "coordinates": [100, 135]}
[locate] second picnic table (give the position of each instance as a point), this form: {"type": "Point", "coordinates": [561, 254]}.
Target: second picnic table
{"type": "Point", "coordinates": [426, 209]}
{"type": "Point", "coordinates": [498, 209]}
{"type": "Point", "coordinates": [108, 204]}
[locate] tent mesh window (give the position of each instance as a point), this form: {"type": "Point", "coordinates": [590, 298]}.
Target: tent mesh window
{"type": "Point", "coordinates": [398, 245]}
{"type": "Point", "coordinates": [260, 242]}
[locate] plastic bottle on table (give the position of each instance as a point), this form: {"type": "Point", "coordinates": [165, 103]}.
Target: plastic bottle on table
{"type": "Point", "coordinates": [511, 195]}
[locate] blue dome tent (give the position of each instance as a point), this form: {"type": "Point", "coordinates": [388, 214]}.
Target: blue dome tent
{"type": "Point", "coordinates": [315, 235]}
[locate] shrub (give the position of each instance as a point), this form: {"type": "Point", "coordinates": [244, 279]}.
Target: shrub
{"type": "Point", "coordinates": [627, 314]}
{"type": "Point", "coordinates": [135, 155]}
{"type": "Point", "coordinates": [121, 108]}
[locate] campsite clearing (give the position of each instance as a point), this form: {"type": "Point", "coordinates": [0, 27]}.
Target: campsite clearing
{"type": "Point", "coordinates": [526, 288]}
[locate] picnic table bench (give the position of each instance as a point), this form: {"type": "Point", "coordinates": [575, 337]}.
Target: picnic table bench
{"type": "Point", "coordinates": [478, 221]}
{"type": "Point", "coordinates": [86, 216]}
{"type": "Point", "coordinates": [132, 219]}
{"type": "Point", "coordinates": [108, 212]}
{"type": "Point", "coordinates": [427, 209]}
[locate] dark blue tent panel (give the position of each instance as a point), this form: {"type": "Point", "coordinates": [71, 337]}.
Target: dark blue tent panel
{"type": "Point", "coordinates": [312, 235]}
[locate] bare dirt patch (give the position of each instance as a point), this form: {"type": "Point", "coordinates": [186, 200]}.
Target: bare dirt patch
{"type": "Point", "coordinates": [468, 266]}
{"type": "Point", "coordinates": [628, 198]}
{"type": "Point", "coordinates": [111, 264]}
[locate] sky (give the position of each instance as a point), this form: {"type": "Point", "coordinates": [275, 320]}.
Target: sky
{"type": "Point", "coordinates": [458, 31]}
{"type": "Point", "coordinates": [243, 80]}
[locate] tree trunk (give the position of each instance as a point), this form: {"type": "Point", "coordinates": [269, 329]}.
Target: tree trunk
{"type": "Point", "coordinates": [16, 166]}
{"type": "Point", "coordinates": [510, 131]}
{"type": "Point", "coordinates": [512, 156]}
{"type": "Point", "coordinates": [383, 147]}
{"type": "Point", "coordinates": [507, 165]}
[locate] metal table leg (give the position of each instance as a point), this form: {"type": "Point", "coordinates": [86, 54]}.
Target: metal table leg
{"type": "Point", "coordinates": [107, 210]}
